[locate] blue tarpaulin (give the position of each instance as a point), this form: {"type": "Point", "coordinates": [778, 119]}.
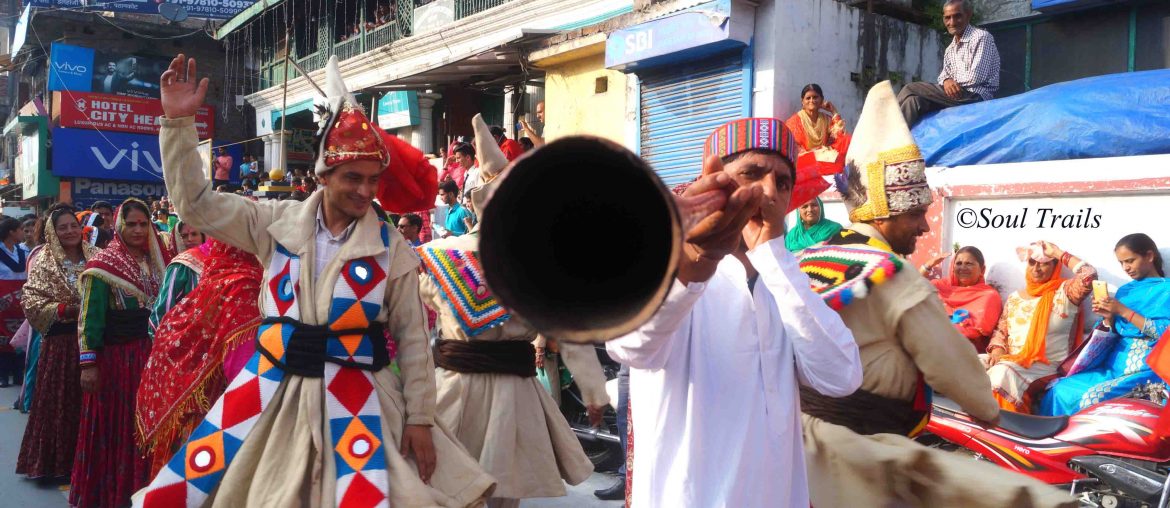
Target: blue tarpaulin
{"type": "Point", "coordinates": [1104, 116]}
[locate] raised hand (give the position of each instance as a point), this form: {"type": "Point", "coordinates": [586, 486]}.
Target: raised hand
{"type": "Point", "coordinates": [714, 211]}
{"type": "Point", "coordinates": [181, 96]}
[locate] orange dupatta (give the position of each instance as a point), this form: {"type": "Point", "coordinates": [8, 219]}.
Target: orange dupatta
{"type": "Point", "coordinates": [1037, 342]}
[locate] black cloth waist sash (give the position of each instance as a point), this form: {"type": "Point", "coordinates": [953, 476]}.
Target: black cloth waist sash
{"type": "Point", "coordinates": [125, 326]}
{"type": "Point", "coordinates": [487, 357]}
{"type": "Point", "coordinates": [62, 328]}
{"type": "Point", "coordinates": [303, 350]}
{"type": "Point", "coordinates": [864, 412]}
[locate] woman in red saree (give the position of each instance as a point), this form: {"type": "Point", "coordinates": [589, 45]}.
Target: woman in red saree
{"type": "Point", "coordinates": [974, 306]}
{"type": "Point", "coordinates": [198, 347]}
{"type": "Point", "coordinates": [118, 287]}
{"type": "Point", "coordinates": [51, 303]}
{"type": "Point", "coordinates": [822, 138]}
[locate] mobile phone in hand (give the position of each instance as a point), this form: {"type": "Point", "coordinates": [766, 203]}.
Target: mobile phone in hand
{"type": "Point", "coordinates": [1100, 290]}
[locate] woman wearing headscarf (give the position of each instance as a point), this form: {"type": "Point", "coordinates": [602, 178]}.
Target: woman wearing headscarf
{"type": "Point", "coordinates": [52, 302]}
{"type": "Point", "coordinates": [812, 227]}
{"type": "Point", "coordinates": [1138, 315]}
{"type": "Point", "coordinates": [974, 306]}
{"type": "Point", "coordinates": [197, 350]}
{"type": "Point", "coordinates": [1040, 325]}
{"type": "Point", "coordinates": [33, 350]}
{"type": "Point", "coordinates": [181, 276]}
{"type": "Point", "coordinates": [118, 287]}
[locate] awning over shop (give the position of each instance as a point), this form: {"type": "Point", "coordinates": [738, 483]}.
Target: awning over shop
{"type": "Point", "coordinates": [494, 67]}
{"type": "Point", "coordinates": [244, 16]}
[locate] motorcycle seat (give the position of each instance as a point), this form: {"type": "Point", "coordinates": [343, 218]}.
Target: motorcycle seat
{"type": "Point", "coordinates": [1031, 426]}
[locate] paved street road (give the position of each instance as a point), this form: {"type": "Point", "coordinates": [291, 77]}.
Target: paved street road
{"type": "Point", "coordinates": [17, 491]}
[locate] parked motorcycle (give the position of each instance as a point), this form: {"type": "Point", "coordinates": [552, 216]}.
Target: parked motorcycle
{"type": "Point", "coordinates": [602, 445]}
{"type": "Point", "coordinates": [1108, 455]}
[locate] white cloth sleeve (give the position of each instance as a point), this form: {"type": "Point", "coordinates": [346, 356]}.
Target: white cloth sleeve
{"type": "Point", "coordinates": [649, 347]}
{"type": "Point", "coordinates": [827, 359]}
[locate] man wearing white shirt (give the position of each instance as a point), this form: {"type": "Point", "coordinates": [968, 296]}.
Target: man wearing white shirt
{"type": "Point", "coordinates": [714, 374]}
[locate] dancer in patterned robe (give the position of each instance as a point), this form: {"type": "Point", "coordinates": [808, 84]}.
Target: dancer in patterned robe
{"type": "Point", "coordinates": [316, 418]}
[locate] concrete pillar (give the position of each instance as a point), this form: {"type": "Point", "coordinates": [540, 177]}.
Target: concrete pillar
{"type": "Point", "coordinates": [425, 132]}
{"type": "Point", "coordinates": [269, 155]}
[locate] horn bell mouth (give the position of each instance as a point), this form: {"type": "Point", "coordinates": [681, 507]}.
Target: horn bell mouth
{"type": "Point", "coordinates": [581, 239]}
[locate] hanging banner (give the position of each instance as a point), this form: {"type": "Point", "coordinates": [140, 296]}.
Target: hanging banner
{"type": "Point", "coordinates": [135, 115]}
{"type": "Point", "coordinates": [106, 155]}
{"type": "Point", "coordinates": [207, 9]}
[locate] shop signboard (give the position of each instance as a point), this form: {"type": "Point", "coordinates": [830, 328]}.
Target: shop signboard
{"type": "Point", "coordinates": [398, 109]}
{"type": "Point", "coordinates": [208, 9]}
{"type": "Point", "coordinates": [136, 115]}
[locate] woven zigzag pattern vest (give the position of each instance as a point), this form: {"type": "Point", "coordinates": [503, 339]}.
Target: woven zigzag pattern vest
{"type": "Point", "coordinates": [351, 403]}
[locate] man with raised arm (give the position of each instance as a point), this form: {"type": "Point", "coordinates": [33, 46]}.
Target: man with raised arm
{"type": "Point", "coordinates": [317, 418]}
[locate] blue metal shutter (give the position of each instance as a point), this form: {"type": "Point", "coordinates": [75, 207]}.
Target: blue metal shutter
{"type": "Point", "coordinates": [681, 105]}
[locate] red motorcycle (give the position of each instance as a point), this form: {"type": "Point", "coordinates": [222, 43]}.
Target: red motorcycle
{"type": "Point", "coordinates": [1107, 455]}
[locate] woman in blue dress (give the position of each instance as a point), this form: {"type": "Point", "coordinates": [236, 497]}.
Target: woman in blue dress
{"type": "Point", "coordinates": [1139, 314]}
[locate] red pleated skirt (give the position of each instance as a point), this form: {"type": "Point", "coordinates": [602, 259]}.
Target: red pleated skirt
{"type": "Point", "coordinates": [108, 467]}
{"type": "Point", "coordinates": [50, 438]}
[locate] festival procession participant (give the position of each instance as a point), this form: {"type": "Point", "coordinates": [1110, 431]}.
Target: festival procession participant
{"type": "Point", "coordinates": [180, 279]}
{"type": "Point", "coordinates": [13, 272]}
{"type": "Point", "coordinates": [200, 345]}
{"type": "Point", "coordinates": [118, 287]}
{"type": "Point", "coordinates": [714, 374]}
{"type": "Point", "coordinates": [52, 302]}
{"type": "Point", "coordinates": [857, 445]}
{"type": "Point", "coordinates": [1137, 315]}
{"type": "Point", "coordinates": [811, 226]}
{"type": "Point", "coordinates": [184, 236]}
{"type": "Point", "coordinates": [1040, 327]}
{"type": "Point", "coordinates": [974, 306]}
{"type": "Point", "coordinates": [317, 418]}
{"type": "Point", "coordinates": [488, 394]}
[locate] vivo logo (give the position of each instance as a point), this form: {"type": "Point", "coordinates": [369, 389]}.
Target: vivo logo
{"type": "Point", "coordinates": [69, 68]}
{"type": "Point", "coordinates": [133, 155]}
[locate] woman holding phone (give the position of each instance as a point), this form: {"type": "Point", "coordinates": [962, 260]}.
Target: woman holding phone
{"type": "Point", "coordinates": [1138, 315]}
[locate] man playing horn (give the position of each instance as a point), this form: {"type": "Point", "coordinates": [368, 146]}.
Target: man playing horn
{"type": "Point", "coordinates": [714, 374]}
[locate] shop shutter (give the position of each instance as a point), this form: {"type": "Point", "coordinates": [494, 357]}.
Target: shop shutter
{"type": "Point", "coordinates": [681, 104]}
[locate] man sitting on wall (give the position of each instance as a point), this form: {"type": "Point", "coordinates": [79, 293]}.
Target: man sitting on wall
{"type": "Point", "coordinates": [970, 68]}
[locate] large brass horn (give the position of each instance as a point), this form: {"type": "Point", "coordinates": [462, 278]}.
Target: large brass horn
{"type": "Point", "coordinates": [581, 239]}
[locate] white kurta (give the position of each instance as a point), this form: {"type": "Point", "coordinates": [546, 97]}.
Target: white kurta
{"type": "Point", "coordinates": [713, 385]}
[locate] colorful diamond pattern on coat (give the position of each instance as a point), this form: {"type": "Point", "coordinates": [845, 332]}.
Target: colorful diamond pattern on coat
{"type": "Point", "coordinates": [460, 280]}
{"type": "Point", "coordinates": [351, 406]}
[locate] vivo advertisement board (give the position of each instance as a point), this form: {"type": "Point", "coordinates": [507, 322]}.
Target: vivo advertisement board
{"type": "Point", "coordinates": [106, 155]}
{"type": "Point", "coordinates": [80, 69]}
{"type": "Point", "coordinates": [209, 9]}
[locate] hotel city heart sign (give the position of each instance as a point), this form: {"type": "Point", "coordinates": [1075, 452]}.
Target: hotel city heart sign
{"type": "Point", "coordinates": [137, 115]}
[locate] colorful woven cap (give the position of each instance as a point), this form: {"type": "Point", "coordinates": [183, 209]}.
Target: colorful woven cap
{"type": "Point", "coordinates": [751, 134]}
{"type": "Point", "coordinates": [768, 134]}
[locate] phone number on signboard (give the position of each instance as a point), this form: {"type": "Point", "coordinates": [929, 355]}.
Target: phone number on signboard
{"type": "Point", "coordinates": [223, 5]}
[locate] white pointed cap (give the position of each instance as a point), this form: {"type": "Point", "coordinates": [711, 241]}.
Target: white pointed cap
{"type": "Point", "coordinates": [882, 145]}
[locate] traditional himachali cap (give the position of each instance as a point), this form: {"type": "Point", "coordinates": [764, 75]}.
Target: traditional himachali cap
{"type": "Point", "coordinates": [768, 134]}
{"type": "Point", "coordinates": [884, 160]}
{"type": "Point", "coordinates": [409, 182]}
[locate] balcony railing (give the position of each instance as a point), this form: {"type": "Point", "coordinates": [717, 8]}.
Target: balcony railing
{"type": "Point", "coordinates": [272, 74]}
{"type": "Point", "coordinates": [465, 8]}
